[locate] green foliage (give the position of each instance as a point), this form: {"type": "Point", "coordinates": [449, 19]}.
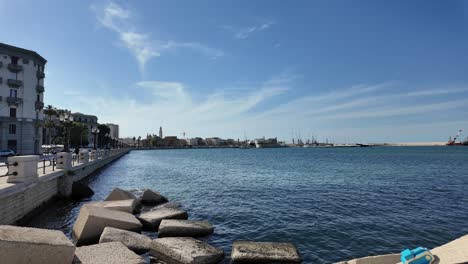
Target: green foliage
{"type": "Point", "coordinates": [78, 135]}
{"type": "Point", "coordinates": [103, 136]}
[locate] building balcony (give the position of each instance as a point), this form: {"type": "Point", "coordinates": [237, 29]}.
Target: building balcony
{"type": "Point", "coordinates": [15, 83]}
{"type": "Point", "coordinates": [40, 75]}
{"type": "Point", "coordinates": [15, 67]}
{"type": "Point", "coordinates": [39, 105]}
{"type": "Point", "coordinates": [39, 89]}
{"type": "Point", "coordinates": [14, 101]}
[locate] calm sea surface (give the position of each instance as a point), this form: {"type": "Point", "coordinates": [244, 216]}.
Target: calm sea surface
{"type": "Point", "coordinates": [334, 204]}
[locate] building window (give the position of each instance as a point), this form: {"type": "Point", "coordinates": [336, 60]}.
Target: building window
{"type": "Point", "coordinates": [12, 129]}
{"type": "Point", "coordinates": [14, 60]}
{"type": "Point", "coordinates": [12, 112]}
{"type": "Point", "coordinates": [38, 97]}
{"type": "Point", "coordinates": [25, 61]}
{"type": "Point", "coordinates": [13, 93]}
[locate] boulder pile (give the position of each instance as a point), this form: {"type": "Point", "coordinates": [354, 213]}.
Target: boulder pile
{"type": "Point", "coordinates": [109, 232]}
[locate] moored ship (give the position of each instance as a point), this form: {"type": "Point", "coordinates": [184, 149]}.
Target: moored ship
{"type": "Point", "coordinates": [267, 143]}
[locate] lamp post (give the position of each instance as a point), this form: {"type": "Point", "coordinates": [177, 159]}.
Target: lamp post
{"type": "Point", "coordinates": [67, 120]}
{"type": "Point", "coordinates": [107, 137]}
{"type": "Point", "coordinates": [95, 131]}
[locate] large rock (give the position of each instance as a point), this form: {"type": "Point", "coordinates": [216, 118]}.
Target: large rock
{"type": "Point", "coordinates": [34, 246]}
{"type": "Point", "coordinates": [152, 219]}
{"type": "Point", "coordinates": [127, 206]}
{"type": "Point", "coordinates": [119, 194]}
{"type": "Point", "coordinates": [81, 190]}
{"type": "Point", "coordinates": [92, 220]}
{"type": "Point", "coordinates": [151, 197]}
{"type": "Point", "coordinates": [264, 252]}
{"type": "Point", "coordinates": [113, 252]}
{"type": "Point", "coordinates": [174, 205]}
{"type": "Point", "coordinates": [185, 250]}
{"type": "Point", "coordinates": [184, 228]}
{"type": "Point", "coordinates": [381, 259]}
{"type": "Point", "coordinates": [134, 241]}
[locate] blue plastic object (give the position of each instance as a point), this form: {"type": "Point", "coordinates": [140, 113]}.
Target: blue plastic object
{"type": "Point", "coordinates": [418, 255]}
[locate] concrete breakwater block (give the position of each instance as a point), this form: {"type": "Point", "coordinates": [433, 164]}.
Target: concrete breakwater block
{"type": "Point", "coordinates": [127, 206]}
{"type": "Point", "coordinates": [119, 194]}
{"type": "Point", "coordinates": [382, 259]}
{"type": "Point", "coordinates": [174, 205]}
{"type": "Point", "coordinates": [34, 246]}
{"type": "Point", "coordinates": [92, 220]}
{"type": "Point", "coordinates": [185, 250]}
{"type": "Point", "coordinates": [151, 197]}
{"type": "Point", "coordinates": [184, 228]}
{"type": "Point", "coordinates": [264, 252]}
{"type": "Point", "coordinates": [152, 219]}
{"type": "Point", "coordinates": [134, 241]}
{"type": "Point", "coordinates": [113, 252]}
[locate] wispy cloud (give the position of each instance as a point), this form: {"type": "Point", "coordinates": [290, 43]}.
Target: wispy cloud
{"type": "Point", "coordinates": [142, 45]}
{"type": "Point", "coordinates": [243, 33]}
{"type": "Point", "coordinates": [172, 105]}
{"type": "Point", "coordinates": [228, 113]}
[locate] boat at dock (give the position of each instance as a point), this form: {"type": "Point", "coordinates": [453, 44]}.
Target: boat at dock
{"type": "Point", "coordinates": [268, 143]}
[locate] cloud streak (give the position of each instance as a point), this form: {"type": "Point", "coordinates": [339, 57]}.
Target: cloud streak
{"type": "Point", "coordinates": [141, 44]}
{"type": "Point", "coordinates": [228, 114]}
{"type": "Point", "coordinates": [243, 33]}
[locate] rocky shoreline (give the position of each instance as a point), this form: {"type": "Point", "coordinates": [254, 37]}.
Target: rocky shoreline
{"type": "Point", "coordinates": [109, 232]}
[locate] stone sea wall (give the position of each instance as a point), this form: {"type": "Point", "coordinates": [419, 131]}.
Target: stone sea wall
{"type": "Point", "coordinates": [20, 194]}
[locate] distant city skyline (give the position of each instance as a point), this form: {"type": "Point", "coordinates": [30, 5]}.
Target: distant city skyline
{"type": "Point", "coordinates": [361, 71]}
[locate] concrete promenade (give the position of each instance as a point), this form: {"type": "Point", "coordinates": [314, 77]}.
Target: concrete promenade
{"type": "Point", "coordinates": [27, 187]}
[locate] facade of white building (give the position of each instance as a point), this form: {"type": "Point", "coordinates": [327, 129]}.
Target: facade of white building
{"type": "Point", "coordinates": [114, 130]}
{"type": "Point", "coordinates": [21, 105]}
{"type": "Point", "coordinates": [91, 121]}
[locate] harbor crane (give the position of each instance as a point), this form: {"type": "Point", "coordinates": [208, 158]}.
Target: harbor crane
{"type": "Point", "coordinates": [454, 140]}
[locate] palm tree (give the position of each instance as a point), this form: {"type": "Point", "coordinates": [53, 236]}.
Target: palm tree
{"type": "Point", "coordinates": [134, 138]}
{"type": "Point", "coordinates": [138, 141]}
{"type": "Point", "coordinates": [49, 111]}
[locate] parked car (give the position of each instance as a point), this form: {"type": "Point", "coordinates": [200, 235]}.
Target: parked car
{"type": "Point", "coordinates": [7, 153]}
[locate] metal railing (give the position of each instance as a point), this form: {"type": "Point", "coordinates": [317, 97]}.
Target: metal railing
{"type": "Point", "coordinates": [52, 163]}
{"type": "Point", "coordinates": [7, 165]}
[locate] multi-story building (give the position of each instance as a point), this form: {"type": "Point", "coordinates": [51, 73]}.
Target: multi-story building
{"type": "Point", "coordinates": [21, 99]}
{"type": "Point", "coordinates": [114, 130]}
{"type": "Point", "coordinates": [90, 121]}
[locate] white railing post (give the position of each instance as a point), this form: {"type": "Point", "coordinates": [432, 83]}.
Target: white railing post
{"type": "Point", "coordinates": [93, 154]}
{"type": "Point", "coordinates": [84, 156]}
{"type": "Point", "coordinates": [23, 168]}
{"type": "Point", "coordinates": [64, 160]}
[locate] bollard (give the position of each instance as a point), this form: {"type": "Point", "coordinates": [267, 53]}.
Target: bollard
{"type": "Point", "coordinates": [93, 154]}
{"type": "Point", "coordinates": [64, 160]}
{"type": "Point", "coordinates": [84, 156]}
{"type": "Point", "coordinates": [25, 171]}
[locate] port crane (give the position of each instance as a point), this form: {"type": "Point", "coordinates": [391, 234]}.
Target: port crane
{"type": "Point", "coordinates": [454, 140]}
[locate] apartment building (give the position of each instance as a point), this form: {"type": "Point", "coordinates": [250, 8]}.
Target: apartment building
{"type": "Point", "coordinates": [21, 99]}
{"type": "Point", "coordinates": [90, 121]}
{"type": "Point", "coordinates": [114, 130]}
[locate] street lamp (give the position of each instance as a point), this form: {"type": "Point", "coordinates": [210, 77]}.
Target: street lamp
{"type": "Point", "coordinates": [67, 120]}
{"type": "Point", "coordinates": [106, 136]}
{"type": "Point", "coordinates": [95, 131]}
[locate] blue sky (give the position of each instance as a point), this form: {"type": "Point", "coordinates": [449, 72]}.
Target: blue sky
{"type": "Point", "coordinates": [369, 71]}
